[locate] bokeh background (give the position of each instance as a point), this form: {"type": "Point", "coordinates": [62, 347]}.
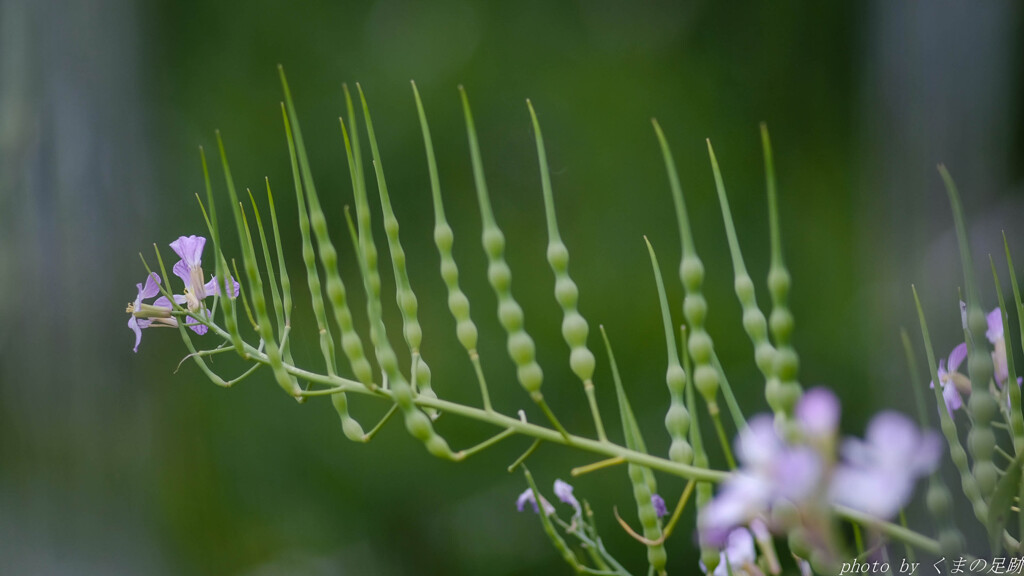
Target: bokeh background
{"type": "Point", "coordinates": [112, 463]}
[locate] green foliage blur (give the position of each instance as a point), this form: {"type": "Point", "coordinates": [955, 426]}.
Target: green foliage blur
{"type": "Point", "coordinates": [117, 463]}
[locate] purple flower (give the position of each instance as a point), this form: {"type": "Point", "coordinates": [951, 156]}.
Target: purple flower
{"type": "Point", "coordinates": [951, 380]}
{"type": "Point", "coordinates": [145, 315]}
{"type": "Point", "coordinates": [995, 336]}
{"type": "Point", "coordinates": [659, 505]}
{"type": "Point", "coordinates": [739, 555]}
{"type": "Point", "coordinates": [818, 413]}
{"type": "Point", "coordinates": [190, 270]}
{"type": "Point", "coordinates": [771, 471]}
{"type": "Point", "coordinates": [528, 497]}
{"type": "Point", "coordinates": [563, 491]}
{"type": "Point", "coordinates": [877, 474]}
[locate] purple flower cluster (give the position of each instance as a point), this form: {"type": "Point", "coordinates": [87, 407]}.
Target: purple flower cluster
{"type": "Point", "coordinates": [875, 475]}
{"type": "Point", "coordinates": [954, 384]}
{"type": "Point", "coordinates": [190, 269]}
{"type": "Point", "coordinates": [563, 491]}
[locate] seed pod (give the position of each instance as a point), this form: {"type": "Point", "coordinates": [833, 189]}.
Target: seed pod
{"type": "Point", "coordinates": [956, 450]}
{"type": "Point", "coordinates": [640, 477]}
{"type": "Point", "coordinates": [300, 165]}
{"type": "Point", "coordinates": [691, 272]}
{"type": "Point", "coordinates": [574, 326]}
{"type": "Point", "coordinates": [444, 238]}
{"type": "Point", "coordinates": [404, 294]}
{"type": "Point", "coordinates": [754, 322]}
{"type": "Point", "coordinates": [708, 554]}
{"type": "Point", "coordinates": [677, 420]}
{"type": "Point", "coordinates": [981, 440]}
{"type": "Point", "coordinates": [782, 389]}
{"type": "Point", "coordinates": [520, 346]}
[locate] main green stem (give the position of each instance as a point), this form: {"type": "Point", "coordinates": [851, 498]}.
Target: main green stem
{"type": "Point", "coordinates": [605, 447]}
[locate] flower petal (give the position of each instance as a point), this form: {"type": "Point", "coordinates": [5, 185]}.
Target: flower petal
{"type": "Point", "coordinates": [152, 287]}
{"type": "Point", "coordinates": [957, 357]}
{"type": "Point", "coordinates": [995, 325]}
{"type": "Point", "coordinates": [189, 249]}
{"type": "Point", "coordinates": [212, 288]}
{"type": "Point", "coordinates": [180, 270]}
{"type": "Point", "coordinates": [133, 323]}
{"type": "Point", "coordinates": [563, 491]}
{"type": "Point", "coordinates": [818, 412]}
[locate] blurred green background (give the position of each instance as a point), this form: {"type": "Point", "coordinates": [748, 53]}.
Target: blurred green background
{"type": "Point", "coordinates": [112, 463]}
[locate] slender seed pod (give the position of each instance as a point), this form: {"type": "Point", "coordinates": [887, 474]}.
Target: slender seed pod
{"type": "Point", "coordinates": [707, 376]}
{"type": "Point", "coordinates": [365, 223]}
{"type": "Point", "coordinates": [275, 293]}
{"type": "Point", "coordinates": [286, 284]}
{"type": "Point", "coordinates": [956, 449]}
{"type": "Point", "coordinates": [349, 425]}
{"type": "Point", "coordinates": [574, 326]}
{"type": "Point", "coordinates": [640, 477]}
{"type": "Point", "coordinates": [783, 389]}
{"type": "Point", "coordinates": [520, 346]}
{"type": "Point", "coordinates": [266, 328]}
{"type": "Point", "coordinates": [708, 554]}
{"type": "Point", "coordinates": [416, 422]}
{"type": "Point", "coordinates": [444, 238]}
{"type": "Point", "coordinates": [351, 343]}
{"type": "Point", "coordinates": [981, 439]}
{"type": "Point", "coordinates": [677, 420]}
{"type": "Point", "coordinates": [221, 265]}
{"type": "Point", "coordinates": [1017, 418]}
{"type": "Point", "coordinates": [404, 294]}
{"type": "Point", "coordinates": [938, 498]}
{"type": "Point", "coordinates": [754, 322]}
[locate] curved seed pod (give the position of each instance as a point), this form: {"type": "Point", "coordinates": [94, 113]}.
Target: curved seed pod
{"type": "Point", "coordinates": [754, 322]}
{"type": "Point", "coordinates": [416, 422]}
{"type": "Point", "coordinates": [981, 439]}
{"type": "Point", "coordinates": [520, 346]}
{"type": "Point", "coordinates": [1016, 417]}
{"type": "Point", "coordinates": [691, 272]}
{"type": "Point", "coordinates": [404, 294]}
{"type": "Point", "coordinates": [782, 390]}
{"type": "Point", "coordinates": [275, 292]}
{"type": "Point", "coordinates": [266, 328]}
{"type": "Point", "coordinates": [640, 477]}
{"type": "Point", "coordinates": [444, 238]}
{"type": "Point", "coordinates": [956, 450]}
{"type": "Point", "coordinates": [221, 264]}
{"type": "Point", "coordinates": [574, 326]}
{"type": "Point", "coordinates": [349, 425]}
{"type": "Point", "coordinates": [367, 246]}
{"type": "Point", "coordinates": [677, 420]}
{"type": "Point", "coordinates": [351, 343]}
{"type": "Point", "coordinates": [708, 554]}
{"type": "Point", "coordinates": [938, 498]}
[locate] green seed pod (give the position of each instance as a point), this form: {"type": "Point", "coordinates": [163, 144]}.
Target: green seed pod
{"type": "Point", "coordinates": [444, 238]}
{"type": "Point", "coordinates": [709, 554]}
{"type": "Point", "coordinates": [404, 295]}
{"type": "Point", "coordinates": [957, 453]}
{"type": "Point", "coordinates": [783, 390]}
{"type": "Point", "coordinates": [520, 345]}
{"type": "Point", "coordinates": [677, 419]}
{"type": "Point", "coordinates": [642, 479]}
{"type": "Point", "coordinates": [691, 273]}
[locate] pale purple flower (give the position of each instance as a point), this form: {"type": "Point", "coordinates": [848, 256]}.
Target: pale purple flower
{"type": "Point", "coordinates": [771, 471]}
{"type": "Point", "coordinates": [995, 336]}
{"type": "Point", "coordinates": [190, 270]}
{"type": "Point", "coordinates": [951, 380]}
{"type": "Point", "coordinates": [877, 474]}
{"type": "Point", "coordinates": [660, 510]}
{"type": "Point", "coordinates": [527, 497]}
{"type": "Point", "coordinates": [144, 315]}
{"type": "Point", "coordinates": [738, 556]}
{"type": "Point", "coordinates": [563, 491]}
{"type": "Point", "coordinates": [818, 413]}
